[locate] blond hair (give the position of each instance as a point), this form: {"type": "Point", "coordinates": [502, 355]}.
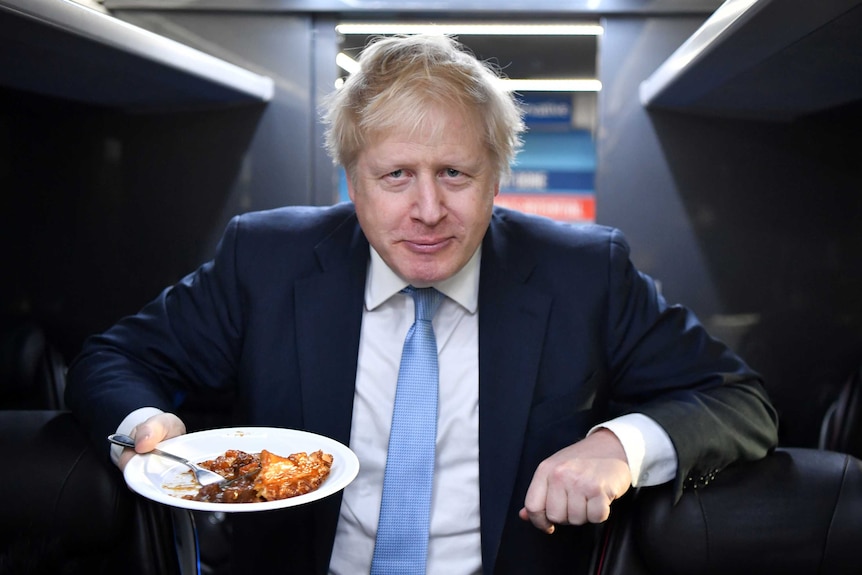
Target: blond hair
{"type": "Point", "coordinates": [401, 79]}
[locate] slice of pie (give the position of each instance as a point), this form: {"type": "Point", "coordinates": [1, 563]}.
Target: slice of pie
{"type": "Point", "coordinates": [296, 474]}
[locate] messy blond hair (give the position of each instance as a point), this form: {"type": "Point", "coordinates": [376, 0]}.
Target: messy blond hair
{"type": "Point", "coordinates": [401, 79]}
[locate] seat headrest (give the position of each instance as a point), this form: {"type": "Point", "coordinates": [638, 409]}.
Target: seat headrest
{"type": "Point", "coordinates": [795, 511]}
{"type": "Point", "coordinates": [32, 370]}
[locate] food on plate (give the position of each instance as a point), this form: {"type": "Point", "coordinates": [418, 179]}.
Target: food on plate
{"type": "Point", "coordinates": [264, 476]}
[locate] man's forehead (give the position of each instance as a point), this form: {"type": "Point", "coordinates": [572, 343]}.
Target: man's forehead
{"type": "Point", "coordinates": [412, 151]}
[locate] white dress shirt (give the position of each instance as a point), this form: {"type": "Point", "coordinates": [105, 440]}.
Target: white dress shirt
{"type": "Point", "coordinates": [454, 545]}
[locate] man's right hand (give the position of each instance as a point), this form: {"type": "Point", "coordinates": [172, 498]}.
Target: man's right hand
{"type": "Point", "coordinates": [149, 433]}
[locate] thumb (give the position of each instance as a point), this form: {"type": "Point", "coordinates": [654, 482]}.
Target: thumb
{"type": "Point", "coordinates": [156, 429]}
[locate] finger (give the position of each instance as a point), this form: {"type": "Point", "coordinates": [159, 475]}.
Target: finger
{"type": "Point", "coordinates": [523, 514]}
{"type": "Point", "coordinates": [156, 429]}
{"type": "Point", "coordinates": [559, 502]}
{"type": "Point", "coordinates": [576, 511]}
{"type": "Point", "coordinates": [598, 509]}
{"type": "Point", "coordinates": [534, 507]}
{"type": "Point", "coordinates": [534, 500]}
{"type": "Point", "coordinates": [172, 424]}
{"type": "Point", "coordinates": [147, 435]}
{"type": "Point", "coordinates": [125, 457]}
{"type": "Point", "coordinates": [539, 519]}
{"type": "Point", "coordinates": [535, 503]}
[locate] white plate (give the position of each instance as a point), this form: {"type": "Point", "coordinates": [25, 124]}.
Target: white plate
{"type": "Point", "coordinates": [166, 481]}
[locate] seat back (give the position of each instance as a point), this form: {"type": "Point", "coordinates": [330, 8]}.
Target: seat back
{"type": "Point", "coordinates": [66, 508]}
{"type": "Point", "coordinates": [797, 511]}
{"type": "Point", "coordinates": [841, 429]}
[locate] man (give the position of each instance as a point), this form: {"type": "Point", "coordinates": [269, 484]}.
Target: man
{"type": "Point", "coordinates": [564, 377]}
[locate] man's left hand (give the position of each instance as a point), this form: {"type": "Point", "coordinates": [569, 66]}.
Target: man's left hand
{"type": "Point", "coordinates": [577, 484]}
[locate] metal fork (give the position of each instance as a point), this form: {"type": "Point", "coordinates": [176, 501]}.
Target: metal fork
{"type": "Point", "coordinates": [203, 476]}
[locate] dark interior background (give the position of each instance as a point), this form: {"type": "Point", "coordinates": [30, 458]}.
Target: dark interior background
{"type": "Point", "coordinates": [754, 224]}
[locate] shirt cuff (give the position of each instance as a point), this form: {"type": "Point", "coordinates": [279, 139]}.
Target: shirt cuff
{"type": "Point", "coordinates": [126, 426]}
{"type": "Point", "coordinates": [649, 450]}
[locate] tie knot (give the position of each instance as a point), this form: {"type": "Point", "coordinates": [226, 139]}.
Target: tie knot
{"type": "Point", "coordinates": [426, 300]}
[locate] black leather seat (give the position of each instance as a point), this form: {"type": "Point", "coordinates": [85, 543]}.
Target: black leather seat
{"type": "Point", "coordinates": [32, 370]}
{"type": "Point", "coordinates": [841, 429]}
{"type": "Point", "coordinates": [796, 512]}
{"type": "Point", "coordinates": [67, 510]}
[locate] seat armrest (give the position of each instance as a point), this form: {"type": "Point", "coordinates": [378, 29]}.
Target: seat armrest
{"type": "Point", "coordinates": [794, 512]}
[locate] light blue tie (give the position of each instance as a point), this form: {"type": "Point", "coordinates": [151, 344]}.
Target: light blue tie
{"type": "Point", "coordinates": [405, 511]}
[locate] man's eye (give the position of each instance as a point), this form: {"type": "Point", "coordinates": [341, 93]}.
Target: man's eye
{"type": "Point", "coordinates": [395, 173]}
{"type": "Point", "coordinates": [452, 173]}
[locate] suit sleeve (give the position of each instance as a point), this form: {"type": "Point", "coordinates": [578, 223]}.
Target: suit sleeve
{"type": "Point", "coordinates": [187, 337]}
{"type": "Point", "coordinates": [665, 365]}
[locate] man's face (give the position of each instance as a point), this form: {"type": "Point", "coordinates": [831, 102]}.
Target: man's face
{"type": "Point", "coordinates": [424, 200]}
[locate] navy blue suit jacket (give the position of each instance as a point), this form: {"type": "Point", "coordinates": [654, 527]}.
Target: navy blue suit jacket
{"type": "Point", "coordinates": [570, 334]}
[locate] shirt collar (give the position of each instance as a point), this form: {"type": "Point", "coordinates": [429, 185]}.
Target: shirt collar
{"type": "Point", "coordinates": [463, 287]}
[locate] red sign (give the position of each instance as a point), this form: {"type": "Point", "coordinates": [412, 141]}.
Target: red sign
{"type": "Point", "coordinates": [563, 207]}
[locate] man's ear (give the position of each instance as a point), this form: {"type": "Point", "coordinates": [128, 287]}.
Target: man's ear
{"type": "Point", "coordinates": [350, 191]}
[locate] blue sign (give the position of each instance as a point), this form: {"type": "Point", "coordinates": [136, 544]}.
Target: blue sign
{"type": "Point", "coordinates": [547, 112]}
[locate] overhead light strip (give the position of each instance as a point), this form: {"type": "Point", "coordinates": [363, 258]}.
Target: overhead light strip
{"type": "Point", "coordinates": [350, 66]}
{"type": "Point", "coordinates": [556, 85]}
{"type": "Point", "coordinates": [346, 63]}
{"type": "Point", "coordinates": [489, 29]}
{"type": "Point", "coordinates": [455, 29]}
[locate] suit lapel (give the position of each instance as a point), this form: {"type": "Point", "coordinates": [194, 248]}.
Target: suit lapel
{"type": "Point", "coordinates": [328, 310]}
{"type": "Point", "coordinates": [512, 321]}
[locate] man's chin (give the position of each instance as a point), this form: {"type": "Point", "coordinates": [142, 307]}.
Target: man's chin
{"type": "Point", "coordinates": [424, 276]}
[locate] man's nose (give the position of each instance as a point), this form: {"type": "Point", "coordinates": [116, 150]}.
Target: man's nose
{"type": "Point", "coordinates": [429, 206]}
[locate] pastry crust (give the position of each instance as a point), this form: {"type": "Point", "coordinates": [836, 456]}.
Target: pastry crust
{"type": "Point", "coordinates": [296, 474]}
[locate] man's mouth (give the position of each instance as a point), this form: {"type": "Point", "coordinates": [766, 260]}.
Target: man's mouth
{"type": "Point", "coordinates": [427, 246]}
